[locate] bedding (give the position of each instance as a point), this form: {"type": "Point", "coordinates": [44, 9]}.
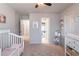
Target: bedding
{"type": "Point", "coordinates": [14, 50]}
{"type": "Point", "coordinates": [8, 51]}
{"type": "Point", "coordinates": [19, 47]}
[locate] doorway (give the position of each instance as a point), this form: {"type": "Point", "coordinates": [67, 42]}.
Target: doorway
{"type": "Point", "coordinates": [45, 30]}
{"type": "Point", "coordinates": [24, 27]}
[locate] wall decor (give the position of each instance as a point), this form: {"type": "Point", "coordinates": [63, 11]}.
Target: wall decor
{"type": "Point", "coordinates": [35, 24]}
{"type": "Point", "coordinates": [2, 19]}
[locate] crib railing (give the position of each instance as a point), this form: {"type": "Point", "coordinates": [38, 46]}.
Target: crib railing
{"type": "Point", "coordinates": [15, 39]}
{"type": "Point", "coordinates": [8, 39]}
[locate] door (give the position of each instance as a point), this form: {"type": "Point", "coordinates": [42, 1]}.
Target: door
{"type": "Point", "coordinates": [45, 30]}
{"type": "Point", "coordinates": [25, 29]}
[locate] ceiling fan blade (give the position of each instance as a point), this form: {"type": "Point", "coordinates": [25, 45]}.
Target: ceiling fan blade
{"type": "Point", "coordinates": [48, 4]}
{"type": "Point", "coordinates": [36, 6]}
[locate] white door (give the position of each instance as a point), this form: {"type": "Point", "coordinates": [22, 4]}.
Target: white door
{"type": "Point", "coordinates": [25, 29]}
{"type": "Point", "coordinates": [45, 30]}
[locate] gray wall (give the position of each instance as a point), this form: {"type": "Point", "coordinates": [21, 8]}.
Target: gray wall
{"type": "Point", "coordinates": [35, 34]}
{"type": "Point", "coordinates": [12, 18]}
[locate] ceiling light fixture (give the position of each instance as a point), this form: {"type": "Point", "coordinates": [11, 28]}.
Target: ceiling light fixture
{"type": "Point", "coordinates": [47, 4]}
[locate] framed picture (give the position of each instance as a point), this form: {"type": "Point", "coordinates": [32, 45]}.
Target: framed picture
{"type": "Point", "coordinates": [2, 19]}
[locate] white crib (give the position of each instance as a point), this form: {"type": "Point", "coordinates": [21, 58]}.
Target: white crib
{"type": "Point", "coordinates": [10, 44]}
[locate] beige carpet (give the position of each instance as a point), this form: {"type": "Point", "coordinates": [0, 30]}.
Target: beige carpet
{"type": "Point", "coordinates": [43, 50]}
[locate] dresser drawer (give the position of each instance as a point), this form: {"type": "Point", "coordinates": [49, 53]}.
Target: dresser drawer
{"type": "Point", "coordinates": [69, 42]}
{"type": "Point", "coordinates": [76, 46]}
{"type": "Point", "coordinates": [73, 42]}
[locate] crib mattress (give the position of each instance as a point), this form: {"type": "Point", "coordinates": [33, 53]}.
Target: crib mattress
{"type": "Point", "coordinates": [8, 51]}
{"type": "Point", "coordinates": [12, 51]}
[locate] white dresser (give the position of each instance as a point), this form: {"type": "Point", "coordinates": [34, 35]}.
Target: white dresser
{"type": "Point", "coordinates": [72, 41]}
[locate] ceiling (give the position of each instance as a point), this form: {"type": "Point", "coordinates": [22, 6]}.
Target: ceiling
{"type": "Point", "coordinates": [24, 8]}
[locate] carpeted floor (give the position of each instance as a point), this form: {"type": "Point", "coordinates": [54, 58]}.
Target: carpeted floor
{"type": "Point", "coordinates": [42, 50]}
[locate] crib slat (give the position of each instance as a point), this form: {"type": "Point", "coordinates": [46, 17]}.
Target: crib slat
{"type": "Point", "coordinates": [12, 40]}
{"type": "Point", "coordinates": [16, 41]}
{"type": "Point", "coordinates": [2, 42]}
{"type": "Point", "coordinates": [9, 40]}
{"type": "Point", "coordinates": [6, 42]}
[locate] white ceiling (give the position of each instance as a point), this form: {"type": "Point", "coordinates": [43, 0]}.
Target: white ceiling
{"type": "Point", "coordinates": [24, 8]}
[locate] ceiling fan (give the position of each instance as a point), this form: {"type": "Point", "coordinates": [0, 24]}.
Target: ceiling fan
{"type": "Point", "coordinates": [47, 4]}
